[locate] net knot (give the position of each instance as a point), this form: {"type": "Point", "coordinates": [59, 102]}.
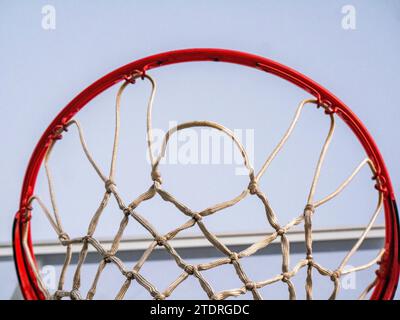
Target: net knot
{"type": "Point", "coordinates": [330, 110]}
{"type": "Point", "coordinates": [63, 237]}
{"type": "Point", "coordinates": [26, 214]}
{"type": "Point", "coordinates": [189, 269]}
{"type": "Point", "coordinates": [197, 216]}
{"type": "Point", "coordinates": [109, 185]}
{"type": "Point", "coordinates": [234, 257]}
{"type": "Point", "coordinates": [160, 240]}
{"type": "Point", "coordinates": [58, 294]}
{"type": "Point", "coordinates": [250, 285]}
{"type": "Point", "coordinates": [156, 176]}
{"type": "Point", "coordinates": [130, 275]}
{"type": "Point", "coordinates": [382, 271]}
{"type": "Point", "coordinates": [281, 231]}
{"type": "Point", "coordinates": [381, 263]}
{"type": "Point", "coordinates": [335, 275]}
{"type": "Point", "coordinates": [309, 208]}
{"type": "Point", "coordinates": [380, 184]}
{"type": "Point", "coordinates": [310, 259]}
{"type": "Point", "coordinates": [158, 296]}
{"type": "Point", "coordinates": [131, 78]}
{"type": "Point", "coordinates": [107, 257]}
{"type": "Point", "coordinates": [56, 136]}
{"type": "Point", "coordinates": [57, 132]}
{"type": "Point", "coordinates": [379, 273]}
{"type": "Point", "coordinates": [75, 294]}
{"type": "Point", "coordinates": [127, 211]}
{"type": "Point", "coordinates": [25, 208]}
{"type": "Point", "coordinates": [286, 276]}
{"type": "Point", "coordinates": [253, 187]}
{"type": "Point", "coordinates": [328, 107]}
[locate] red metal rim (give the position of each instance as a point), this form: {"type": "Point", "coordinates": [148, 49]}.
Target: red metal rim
{"type": "Point", "coordinates": [388, 273]}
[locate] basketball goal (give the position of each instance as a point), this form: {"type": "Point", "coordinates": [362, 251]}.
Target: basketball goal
{"type": "Point", "coordinates": [386, 263]}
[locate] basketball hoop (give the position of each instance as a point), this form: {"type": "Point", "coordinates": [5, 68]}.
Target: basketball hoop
{"type": "Point", "coordinates": [32, 287]}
